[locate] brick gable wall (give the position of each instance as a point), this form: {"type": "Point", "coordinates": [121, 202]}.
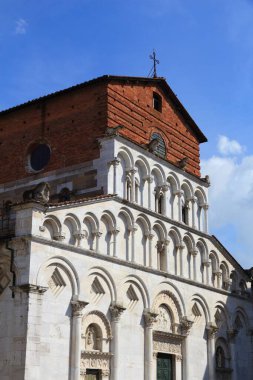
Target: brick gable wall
{"type": "Point", "coordinates": [71, 121]}
{"type": "Point", "coordinates": [132, 107]}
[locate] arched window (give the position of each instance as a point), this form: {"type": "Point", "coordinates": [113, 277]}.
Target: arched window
{"type": "Point", "coordinates": [159, 147]}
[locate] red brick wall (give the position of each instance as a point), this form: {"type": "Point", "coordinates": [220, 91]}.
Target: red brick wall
{"type": "Point", "coordinates": [132, 106]}
{"type": "Point", "coordinates": [71, 121]}
{"type": "Point", "coordinates": [68, 122]}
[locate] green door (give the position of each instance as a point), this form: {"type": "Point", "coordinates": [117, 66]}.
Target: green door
{"type": "Point", "coordinates": [164, 367]}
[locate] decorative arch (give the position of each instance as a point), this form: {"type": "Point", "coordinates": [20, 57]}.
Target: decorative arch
{"type": "Point", "coordinates": [65, 265]}
{"type": "Point", "coordinates": [175, 235]}
{"type": "Point", "coordinates": [52, 226]}
{"type": "Point", "coordinates": [108, 279]}
{"type": "Point", "coordinates": [127, 156]}
{"type": "Point", "coordinates": [139, 283]}
{"type": "Point", "coordinates": [168, 298]}
{"type": "Point", "coordinates": [93, 220]}
{"type": "Point", "coordinates": [241, 313]}
{"type": "Point", "coordinates": [158, 170]}
{"type": "Point", "coordinates": [173, 180]}
{"type": "Point", "coordinates": [200, 300]}
{"type": "Point", "coordinates": [167, 286]}
{"type": "Point", "coordinates": [128, 215]}
{"type": "Point", "coordinates": [98, 318]}
{"type": "Point", "coordinates": [160, 229]}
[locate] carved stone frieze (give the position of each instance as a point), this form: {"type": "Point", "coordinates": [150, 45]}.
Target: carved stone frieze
{"type": "Point", "coordinates": [169, 343]}
{"type": "Point", "coordinates": [96, 360]}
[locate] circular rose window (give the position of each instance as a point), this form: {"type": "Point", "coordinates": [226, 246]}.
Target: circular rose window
{"type": "Point", "coordinates": [39, 157]}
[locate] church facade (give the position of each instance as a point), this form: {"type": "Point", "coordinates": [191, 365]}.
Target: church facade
{"type": "Point", "coordinates": [107, 267]}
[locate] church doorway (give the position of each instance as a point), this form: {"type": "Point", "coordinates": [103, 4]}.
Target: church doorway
{"type": "Point", "coordinates": [164, 367]}
{"type": "Point", "coordinates": [92, 374]}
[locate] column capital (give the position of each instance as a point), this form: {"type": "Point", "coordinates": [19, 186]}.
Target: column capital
{"type": "Point", "coordinates": [97, 234]}
{"type": "Point", "coordinates": [148, 178]}
{"type": "Point", "coordinates": [186, 325]}
{"type": "Point", "coordinates": [77, 307]}
{"type": "Point", "coordinates": [149, 235]}
{"type": "Point", "coordinates": [114, 162]}
{"type": "Point", "coordinates": [231, 334]}
{"type": "Point", "coordinates": [194, 252]}
{"type": "Point", "coordinates": [114, 231]}
{"type": "Point", "coordinates": [205, 206]}
{"type": "Point", "coordinates": [59, 236]}
{"type": "Point", "coordinates": [179, 193]}
{"type": "Point", "coordinates": [211, 330]}
{"type": "Point", "coordinates": [149, 318]}
{"type": "Point", "coordinates": [116, 311]}
{"type": "Point", "coordinates": [166, 242]}
{"type": "Point", "coordinates": [133, 228]}
{"type": "Point", "coordinates": [180, 245]}
{"type": "Point", "coordinates": [206, 263]}
{"type": "Point", "coordinates": [165, 187]}
{"type": "Point", "coordinates": [79, 235]}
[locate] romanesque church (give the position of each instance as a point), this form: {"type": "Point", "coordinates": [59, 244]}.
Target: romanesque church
{"type": "Point", "coordinates": [107, 267]}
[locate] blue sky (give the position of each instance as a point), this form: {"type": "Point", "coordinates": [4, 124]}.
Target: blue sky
{"type": "Point", "coordinates": [206, 54]}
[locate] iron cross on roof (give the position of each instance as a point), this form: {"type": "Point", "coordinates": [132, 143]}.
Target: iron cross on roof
{"type": "Point", "coordinates": [155, 62]}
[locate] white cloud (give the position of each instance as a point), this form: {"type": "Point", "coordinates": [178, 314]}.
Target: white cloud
{"type": "Point", "coordinates": [21, 26]}
{"type": "Point", "coordinates": [229, 147]}
{"type": "Point", "coordinates": [231, 199]}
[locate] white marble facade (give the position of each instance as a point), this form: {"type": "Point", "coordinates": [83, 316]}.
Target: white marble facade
{"type": "Point", "coordinates": [108, 283]}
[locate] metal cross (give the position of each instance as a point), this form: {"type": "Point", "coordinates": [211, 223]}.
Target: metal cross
{"type": "Point", "coordinates": [155, 62]}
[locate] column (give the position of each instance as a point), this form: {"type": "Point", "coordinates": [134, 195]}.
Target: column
{"type": "Point", "coordinates": [186, 325]}
{"type": "Point", "coordinates": [97, 235]}
{"type": "Point", "coordinates": [178, 193]}
{"type": "Point", "coordinates": [205, 208]}
{"type": "Point", "coordinates": [116, 311]}
{"type": "Point", "coordinates": [165, 189]}
{"type": "Point", "coordinates": [166, 249]}
{"type": "Point", "coordinates": [115, 163]}
{"type": "Point", "coordinates": [132, 173]}
{"type": "Point", "coordinates": [231, 334]}
{"type": "Point", "coordinates": [114, 233]}
{"type": "Point", "coordinates": [211, 331]}
{"type": "Point", "coordinates": [132, 229]}
{"type": "Point", "coordinates": [149, 180]}
{"type": "Point", "coordinates": [79, 235]}
{"type": "Point", "coordinates": [180, 247]}
{"type": "Point", "coordinates": [194, 253]}
{"type": "Point", "coordinates": [193, 202]}
{"type": "Point", "coordinates": [150, 237]}
{"type": "Point", "coordinates": [206, 265]}
{"type": "Point", "coordinates": [75, 359]}
{"type": "Point", "coordinates": [149, 319]}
